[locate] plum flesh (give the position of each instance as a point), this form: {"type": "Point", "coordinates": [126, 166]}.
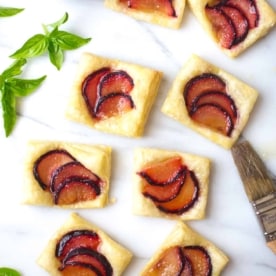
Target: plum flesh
{"type": "Point", "coordinates": [170, 185]}
{"type": "Point", "coordinates": [163, 6]}
{"type": "Point", "coordinates": [209, 104]}
{"type": "Point", "coordinates": [191, 260]}
{"type": "Point", "coordinates": [47, 163]}
{"type": "Point", "coordinates": [76, 238]}
{"type": "Point", "coordinates": [232, 20]}
{"type": "Point", "coordinates": [106, 93]}
{"type": "Point", "coordinates": [68, 181]}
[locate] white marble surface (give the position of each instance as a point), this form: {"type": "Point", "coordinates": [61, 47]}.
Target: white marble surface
{"type": "Point", "coordinates": [230, 222]}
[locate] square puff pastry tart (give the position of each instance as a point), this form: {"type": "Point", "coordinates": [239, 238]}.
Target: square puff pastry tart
{"type": "Point", "coordinates": [258, 10]}
{"type": "Point", "coordinates": [155, 17]}
{"type": "Point", "coordinates": [185, 200]}
{"type": "Point", "coordinates": [96, 158]}
{"type": "Point", "coordinates": [241, 97]}
{"type": "Point", "coordinates": [183, 236]}
{"type": "Point", "coordinates": [118, 256]}
{"type": "Point", "coordinates": [144, 84]}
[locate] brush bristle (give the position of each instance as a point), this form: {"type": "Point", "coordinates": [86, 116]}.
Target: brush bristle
{"type": "Point", "coordinates": [254, 175]}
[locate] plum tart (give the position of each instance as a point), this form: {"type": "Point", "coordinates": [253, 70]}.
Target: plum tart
{"type": "Point", "coordinates": [81, 248]}
{"type": "Point", "coordinates": [113, 96]}
{"type": "Point", "coordinates": [234, 24]}
{"type": "Point", "coordinates": [210, 101]}
{"type": "Point", "coordinates": [167, 13]}
{"type": "Point", "coordinates": [67, 175]}
{"type": "Point", "coordinates": [170, 184]}
{"type": "Point", "coordinates": [185, 252]}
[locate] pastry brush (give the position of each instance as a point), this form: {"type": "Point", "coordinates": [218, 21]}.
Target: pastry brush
{"type": "Point", "coordinates": [259, 187]}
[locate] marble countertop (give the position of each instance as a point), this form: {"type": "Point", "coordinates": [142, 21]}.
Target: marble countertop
{"type": "Point", "coordinates": [230, 222]}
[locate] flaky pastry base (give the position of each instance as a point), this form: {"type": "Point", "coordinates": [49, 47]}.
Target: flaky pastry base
{"type": "Point", "coordinates": [146, 207]}
{"type": "Point", "coordinates": [151, 17]}
{"type": "Point", "coordinates": [131, 123]}
{"type": "Point", "coordinates": [118, 256]}
{"type": "Point", "coordinates": [183, 235]}
{"type": "Point", "coordinates": [97, 158]}
{"type": "Point", "coordinates": [266, 22]}
{"type": "Point", "coordinates": [243, 95]}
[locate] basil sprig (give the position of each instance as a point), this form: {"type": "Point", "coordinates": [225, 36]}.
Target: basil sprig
{"type": "Point", "coordinates": [7, 11]}
{"type": "Point", "coordinates": [6, 271]}
{"type": "Point", "coordinates": [12, 87]}
{"type": "Point", "coordinates": [53, 41]}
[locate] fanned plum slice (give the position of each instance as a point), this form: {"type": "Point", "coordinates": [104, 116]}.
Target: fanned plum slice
{"type": "Point", "coordinates": [113, 104]}
{"type": "Point", "coordinates": [163, 6]}
{"type": "Point", "coordinates": [69, 170]}
{"type": "Point", "coordinates": [74, 190]}
{"type": "Point", "coordinates": [187, 270]}
{"type": "Point", "coordinates": [185, 199]}
{"type": "Point", "coordinates": [223, 26]}
{"type": "Point", "coordinates": [163, 172]}
{"type": "Point", "coordinates": [87, 256]}
{"type": "Point", "coordinates": [115, 82]}
{"type": "Point", "coordinates": [217, 98]}
{"type": "Point", "coordinates": [205, 82]}
{"type": "Point", "coordinates": [199, 259]}
{"type": "Point", "coordinates": [90, 88]}
{"type": "Point", "coordinates": [47, 163]}
{"type": "Point", "coordinates": [248, 8]}
{"type": "Point", "coordinates": [76, 238]}
{"type": "Point", "coordinates": [80, 269]}
{"type": "Point", "coordinates": [170, 262]}
{"type": "Point", "coordinates": [215, 117]}
{"type": "Point", "coordinates": [166, 192]}
{"type": "Point", "coordinates": [239, 21]}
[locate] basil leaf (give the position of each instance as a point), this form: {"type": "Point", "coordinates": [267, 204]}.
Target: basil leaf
{"type": "Point", "coordinates": [14, 69]}
{"type": "Point", "coordinates": [56, 54]}
{"type": "Point", "coordinates": [2, 82]}
{"type": "Point", "coordinates": [68, 41]}
{"type": "Point", "coordinates": [9, 111]}
{"type": "Point", "coordinates": [6, 271]}
{"type": "Point", "coordinates": [59, 22]}
{"type": "Point", "coordinates": [34, 46]}
{"type": "Point", "coordinates": [23, 87]}
{"type": "Point", "coordinates": [6, 11]}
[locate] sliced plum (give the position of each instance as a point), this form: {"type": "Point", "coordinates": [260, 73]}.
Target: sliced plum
{"type": "Point", "coordinates": [87, 256]}
{"type": "Point", "coordinates": [170, 262]}
{"type": "Point", "coordinates": [163, 172]}
{"type": "Point", "coordinates": [187, 270]}
{"type": "Point", "coordinates": [205, 82]}
{"type": "Point", "coordinates": [199, 259]}
{"type": "Point", "coordinates": [113, 104]}
{"type": "Point", "coordinates": [47, 163]}
{"type": "Point", "coordinates": [223, 26]}
{"type": "Point", "coordinates": [166, 192]}
{"type": "Point", "coordinates": [106, 93]}
{"type": "Point", "coordinates": [217, 98]}
{"type": "Point", "coordinates": [239, 21]}
{"type": "Point", "coordinates": [115, 82]}
{"type": "Point", "coordinates": [215, 117]}
{"type": "Point", "coordinates": [90, 88]}
{"type": "Point", "coordinates": [185, 199]}
{"type": "Point", "coordinates": [76, 238]}
{"type": "Point", "coordinates": [80, 269]}
{"type": "Point", "coordinates": [163, 6]}
{"type": "Point", "coordinates": [248, 8]}
{"type": "Point", "coordinates": [74, 190]}
{"type": "Point", "coordinates": [72, 169]}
